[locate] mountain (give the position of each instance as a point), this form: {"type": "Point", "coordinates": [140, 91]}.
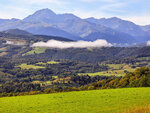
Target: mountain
{"type": "Point", "coordinates": [38, 29]}
{"type": "Point", "coordinates": [146, 28]}
{"type": "Point", "coordinates": [76, 26]}
{"type": "Point", "coordinates": [8, 21]}
{"type": "Point", "coordinates": [44, 15]}
{"type": "Point", "coordinates": [47, 22]}
{"type": "Point", "coordinates": [119, 25]}
{"type": "Point", "coordinates": [40, 23]}
{"type": "Point", "coordinates": [49, 17]}
{"type": "Point", "coordinates": [122, 26]}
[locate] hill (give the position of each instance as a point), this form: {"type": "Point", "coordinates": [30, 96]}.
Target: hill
{"type": "Point", "coordinates": [95, 101]}
{"type": "Point", "coordinates": [17, 32]}
{"type": "Point", "coordinates": [93, 55]}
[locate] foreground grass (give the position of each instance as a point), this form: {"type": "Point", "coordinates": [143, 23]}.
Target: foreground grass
{"type": "Point", "coordinates": [96, 101]}
{"type": "Point", "coordinates": [140, 109]}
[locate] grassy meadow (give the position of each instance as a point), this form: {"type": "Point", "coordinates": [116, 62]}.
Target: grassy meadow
{"type": "Point", "coordinates": [114, 70]}
{"type": "Point", "coordinates": [49, 62]}
{"type": "Point", "coordinates": [36, 50]}
{"type": "Point", "coordinates": [31, 66]}
{"type": "Point", "coordinates": [94, 101]}
{"type": "Point", "coordinates": [26, 66]}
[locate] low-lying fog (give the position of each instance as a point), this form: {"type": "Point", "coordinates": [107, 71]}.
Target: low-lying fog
{"type": "Point", "coordinates": [14, 43]}
{"type": "Point", "coordinates": [78, 44]}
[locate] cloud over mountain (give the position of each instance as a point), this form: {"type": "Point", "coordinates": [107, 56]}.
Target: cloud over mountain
{"type": "Point", "coordinates": [148, 43]}
{"type": "Point", "coordinates": [78, 44]}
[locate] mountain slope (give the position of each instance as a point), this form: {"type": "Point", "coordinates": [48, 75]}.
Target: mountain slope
{"type": "Point", "coordinates": [39, 29]}
{"type": "Point", "coordinates": [119, 25]}
{"type": "Point", "coordinates": [8, 21]}
{"type": "Point", "coordinates": [51, 31]}
{"type": "Point", "coordinates": [122, 26]}
{"type": "Point", "coordinates": [146, 28]}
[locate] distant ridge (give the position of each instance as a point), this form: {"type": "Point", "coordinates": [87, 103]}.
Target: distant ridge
{"type": "Point", "coordinates": [17, 32]}
{"type": "Point", "coordinates": [21, 34]}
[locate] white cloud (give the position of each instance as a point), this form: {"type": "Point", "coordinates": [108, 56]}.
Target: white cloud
{"type": "Point", "coordinates": [78, 44]}
{"type": "Point", "coordinates": [148, 43]}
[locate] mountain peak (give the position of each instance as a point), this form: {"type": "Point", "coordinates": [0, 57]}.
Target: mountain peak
{"type": "Point", "coordinates": [43, 15]}
{"type": "Point", "coordinates": [115, 18]}
{"type": "Point", "coordinates": [91, 18]}
{"type": "Point", "coordinates": [45, 11]}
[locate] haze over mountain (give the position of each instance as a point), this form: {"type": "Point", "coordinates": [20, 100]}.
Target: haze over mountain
{"type": "Point", "coordinates": [46, 22]}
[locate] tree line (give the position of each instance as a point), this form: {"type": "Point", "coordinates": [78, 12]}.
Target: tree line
{"type": "Point", "coordinates": [139, 78]}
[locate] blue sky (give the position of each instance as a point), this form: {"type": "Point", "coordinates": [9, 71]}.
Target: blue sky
{"type": "Point", "coordinates": [137, 11]}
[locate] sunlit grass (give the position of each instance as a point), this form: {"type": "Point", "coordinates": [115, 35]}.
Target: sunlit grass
{"type": "Point", "coordinates": [26, 66]}
{"type": "Point", "coordinates": [95, 101]}
{"type": "Point", "coordinates": [139, 109]}
{"type": "Point", "coordinates": [36, 50]}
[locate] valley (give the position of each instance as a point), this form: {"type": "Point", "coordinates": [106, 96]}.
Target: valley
{"type": "Point", "coordinates": [62, 63]}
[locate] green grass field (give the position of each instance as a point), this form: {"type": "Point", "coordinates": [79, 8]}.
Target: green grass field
{"type": "Point", "coordinates": [53, 62]}
{"type": "Point", "coordinates": [109, 73]}
{"type": "Point", "coordinates": [95, 101]}
{"type": "Point", "coordinates": [25, 66]}
{"type": "Point", "coordinates": [49, 62]}
{"type": "Point", "coordinates": [98, 73]}
{"type": "Point", "coordinates": [115, 70]}
{"type": "Point", "coordinates": [3, 54]}
{"type": "Point", "coordinates": [36, 50]}
{"type": "Point", "coordinates": [3, 49]}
